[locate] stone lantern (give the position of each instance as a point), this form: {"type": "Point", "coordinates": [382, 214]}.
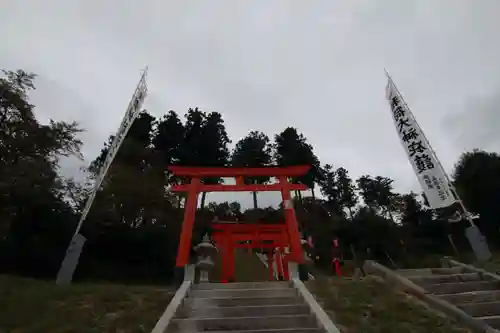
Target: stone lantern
{"type": "Point", "coordinates": [205, 251]}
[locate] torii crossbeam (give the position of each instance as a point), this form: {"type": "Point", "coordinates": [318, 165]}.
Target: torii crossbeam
{"type": "Point", "coordinates": [282, 174]}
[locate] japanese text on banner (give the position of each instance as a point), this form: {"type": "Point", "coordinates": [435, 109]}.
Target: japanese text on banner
{"type": "Point", "coordinates": [429, 172]}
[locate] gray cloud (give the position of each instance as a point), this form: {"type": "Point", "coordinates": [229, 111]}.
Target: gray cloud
{"type": "Point", "coordinates": [478, 124]}
{"type": "Point", "coordinates": [267, 65]}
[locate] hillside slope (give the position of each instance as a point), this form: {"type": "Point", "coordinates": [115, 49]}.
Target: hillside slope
{"type": "Point", "coordinates": [33, 306]}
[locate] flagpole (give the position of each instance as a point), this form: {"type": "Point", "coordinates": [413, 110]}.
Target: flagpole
{"type": "Point", "coordinates": [104, 171]}
{"type": "Point", "coordinates": [450, 184]}
{"type": "Point", "coordinates": [75, 246]}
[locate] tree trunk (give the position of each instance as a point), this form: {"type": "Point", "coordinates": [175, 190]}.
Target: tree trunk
{"type": "Point", "coordinates": [254, 194]}
{"type": "Point", "coordinates": [300, 196]}
{"type": "Point", "coordinates": [313, 194]}
{"type": "Point", "coordinates": [350, 212]}
{"type": "Point", "coordinates": [203, 197]}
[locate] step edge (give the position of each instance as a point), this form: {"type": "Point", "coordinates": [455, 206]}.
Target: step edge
{"type": "Point", "coordinates": [289, 295]}
{"type": "Point", "coordinates": [477, 303]}
{"type": "Point", "coordinates": [233, 283]}
{"type": "Point", "coordinates": [223, 286]}
{"type": "Point", "coordinates": [462, 293]}
{"type": "Point", "coordinates": [474, 292]}
{"type": "Point", "coordinates": [488, 317]}
{"type": "Point", "coordinates": [224, 306]}
{"type": "Point", "coordinates": [223, 290]}
{"type": "Point", "coordinates": [252, 317]}
{"type": "Point", "coordinates": [258, 306]}
{"type": "Point", "coordinates": [445, 275]}
{"type": "Point", "coordinates": [467, 282]}
{"type": "Point", "coordinates": [271, 330]}
{"type": "Point", "coordinates": [243, 297]}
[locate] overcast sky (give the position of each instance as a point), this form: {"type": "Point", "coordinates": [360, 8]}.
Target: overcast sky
{"type": "Point", "coordinates": [266, 65]}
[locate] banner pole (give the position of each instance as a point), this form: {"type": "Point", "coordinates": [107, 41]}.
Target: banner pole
{"type": "Point", "coordinates": [70, 261]}
{"type": "Point", "coordinates": [477, 240]}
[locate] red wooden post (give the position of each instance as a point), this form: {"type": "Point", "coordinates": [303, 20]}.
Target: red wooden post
{"type": "Point", "coordinates": [225, 260]}
{"type": "Point", "coordinates": [187, 225]}
{"type": "Point", "coordinates": [291, 222]}
{"type": "Point", "coordinates": [230, 258]}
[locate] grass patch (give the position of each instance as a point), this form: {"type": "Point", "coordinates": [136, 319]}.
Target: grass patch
{"type": "Point", "coordinates": [34, 306]}
{"type": "Point", "coordinates": [371, 306]}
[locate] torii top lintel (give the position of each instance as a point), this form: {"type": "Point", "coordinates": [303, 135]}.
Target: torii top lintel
{"type": "Point", "coordinates": [291, 171]}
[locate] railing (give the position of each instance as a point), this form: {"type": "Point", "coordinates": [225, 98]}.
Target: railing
{"type": "Point", "coordinates": [176, 301]}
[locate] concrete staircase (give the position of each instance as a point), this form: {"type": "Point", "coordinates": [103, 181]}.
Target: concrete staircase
{"type": "Point", "coordinates": [475, 293]}
{"type": "Point", "coordinates": [250, 307]}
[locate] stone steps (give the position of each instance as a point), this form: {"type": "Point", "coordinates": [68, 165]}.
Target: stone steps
{"type": "Point", "coordinates": [475, 293]}
{"type": "Point", "coordinates": [481, 309]}
{"type": "Point", "coordinates": [472, 297]}
{"type": "Point", "coordinates": [250, 292]}
{"type": "Point", "coordinates": [419, 272]}
{"type": "Point", "coordinates": [454, 280]}
{"type": "Point", "coordinates": [445, 278]}
{"type": "Point", "coordinates": [246, 323]}
{"type": "Point", "coordinates": [447, 270]}
{"type": "Point", "coordinates": [246, 311]}
{"type": "Point", "coordinates": [253, 307]}
{"type": "Point", "coordinates": [240, 301]}
{"type": "Point", "coordinates": [461, 287]}
{"type": "Point", "coordinates": [276, 330]}
{"type": "Point", "coordinates": [242, 285]}
{"type": "Point", "coordinates": [493, 321]}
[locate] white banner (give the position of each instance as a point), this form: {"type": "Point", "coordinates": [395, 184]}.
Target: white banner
{"type": "Point", "coordinates": [429, 172]}
{"type": "Point", "coordinates": [133, 110]}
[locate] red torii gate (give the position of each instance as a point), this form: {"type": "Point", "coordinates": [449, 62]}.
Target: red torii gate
{"type": "Point", "coordinates": [196, 187]}
{"type": "Point", "coordinates": [272, 237]}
